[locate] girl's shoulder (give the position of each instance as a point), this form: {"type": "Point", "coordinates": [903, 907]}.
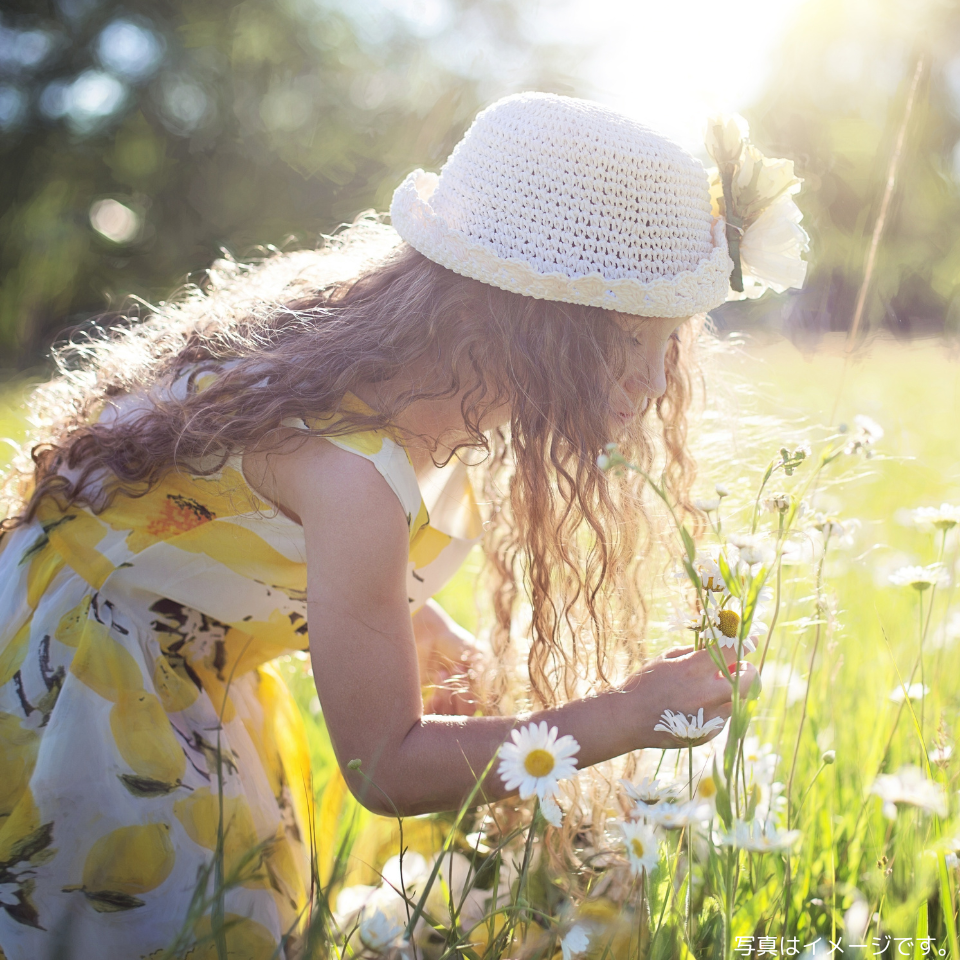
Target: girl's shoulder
{"type": "Point", "coordinates": [378, 447]}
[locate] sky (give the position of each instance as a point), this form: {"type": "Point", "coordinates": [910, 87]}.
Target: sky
{"type": "Point", "coordinates": [672, 63]}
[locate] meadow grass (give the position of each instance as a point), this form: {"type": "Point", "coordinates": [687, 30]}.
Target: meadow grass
{"type": "Point", "coordinates": [850, 638]}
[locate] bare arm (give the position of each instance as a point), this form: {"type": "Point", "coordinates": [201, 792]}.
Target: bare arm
{"type": "Point", "coordinates": [365, 661]}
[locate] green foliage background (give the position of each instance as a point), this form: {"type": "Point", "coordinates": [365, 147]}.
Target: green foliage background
{"type": "Point", "coordinates": [261, 121]}
{"type": "Point", "coordinates": [273, 121]}
{"type": "Point", "coordinates": [835, 103]}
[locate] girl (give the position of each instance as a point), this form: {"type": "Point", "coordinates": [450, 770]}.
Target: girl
{"type": "Point", "coordinates": [284, 447]}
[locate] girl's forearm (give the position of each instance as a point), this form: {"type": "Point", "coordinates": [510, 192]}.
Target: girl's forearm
{"type": "Point", "coordinates": [439, 761]}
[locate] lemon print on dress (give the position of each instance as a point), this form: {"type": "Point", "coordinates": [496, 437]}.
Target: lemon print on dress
{"type": "Point", "coordinates": [76, 538]}
{"type": "Point", "coordinates": [14, 653]}
{"type": "Point", "coordinates": [18, 755]}
{"type": "Point", "coordinates": [105, 665]}
{"type": "Point", "coordinates": [23, 836]}
{"type": "Point", "coordinates": [200, 815]}
{"type": "Point", "coordinates": [246, 939]}
{"type": "Point", "coordinates": [173, 685]}
{"type": "Point", "coordinates": [286, 879]}
{"type": "Point", "coordinates": [43, 568]}
{"type": "Point", "coordinates": [70, 628]}
{"type": "Point", "coordinates": [146, 740]}
{"type": "Point", "coordinates": [126, 862]}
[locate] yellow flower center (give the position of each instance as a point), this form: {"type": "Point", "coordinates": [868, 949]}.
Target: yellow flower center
{"type": "Point", "coordinates": [729, 622]}
{"type": "Point", "coordinates": [538, 763]}
{"type": "Point", "coordinates": [637, 847]}
{"type": "Point", "coordinates": [707, 788]}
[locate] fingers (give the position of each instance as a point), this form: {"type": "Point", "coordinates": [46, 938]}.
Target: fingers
{"type": "Point", "coordinates": [748, 673]}
{"type": "Point", "coordinates": [724, 711]}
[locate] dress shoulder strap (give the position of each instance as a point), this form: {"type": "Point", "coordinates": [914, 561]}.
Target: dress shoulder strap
{"type": "Point", "coordinates": [377, 446]}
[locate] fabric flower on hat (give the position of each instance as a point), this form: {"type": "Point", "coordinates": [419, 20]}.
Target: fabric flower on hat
{"type": "Point", "coordinates": [753, 194]}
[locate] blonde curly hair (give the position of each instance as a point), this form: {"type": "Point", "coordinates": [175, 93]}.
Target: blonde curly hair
{"type": "Point", "coordinates": [563, 538]}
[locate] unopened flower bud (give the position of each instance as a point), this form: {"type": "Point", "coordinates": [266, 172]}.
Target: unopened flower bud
{"type": "Point", "coordinates": [829, 756]}
{"type": "Point", "coordinates": [722, 491]}
{"type": "Point", "coordinates": [724, 137]}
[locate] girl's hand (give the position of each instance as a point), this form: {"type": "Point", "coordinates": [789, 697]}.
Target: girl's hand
{"type": "Point", "coordinates": [684, 680]}
{"type": "Point", "coordinates": [446, 655]}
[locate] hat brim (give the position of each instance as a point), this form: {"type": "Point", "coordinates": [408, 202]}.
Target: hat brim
{"type": "Point", "coordinates": [682, 295]}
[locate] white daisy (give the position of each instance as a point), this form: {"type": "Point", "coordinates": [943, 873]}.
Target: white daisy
{"type": "Point", "coordinates": [642, 850]}
{"type": "Point", "coordinates": [920, 578]}
{"type": "Point", "coordinates": [687, 727]}
{"type": "Point", "coordinates": [909, 786]}
{"type": "Point", "coordinates": [867, 432]}
{"type": "Point", "coordinates": [941, 753]}
{"type": "Point", "coordinates": [708, 570]}
{"type": "Point", "coordinates": [382, 921]}
{"type": "Point", "coordinates": [803, 547]}
{"type": "Point", "coordinates": [759, 760]}
{"type": "Point", "coordinates": [752, 549]}
{"type": "Point", "coordinates": [412, 865]}
{"type": "Point", "coordinates": [551, 811]}
{"type": "Point", "coordinates": [758, 837]}
{"type": "Point", "coordinates": [650, 791]}
{"type": "Point", "coordinates": [575, 942]}
{"type": "Point", "coordinates": [839, 532]}
{"type": "Point", "coordinates": [673, 816]}
{"type": "Point", "coordinates": [536, 760]}
{"type": "Point", "coordinates": [723, 625]}
{"type": "Point", "coordinates": [916, 691]}
{"type": "Point", "coordinates": [707, 506]}
{"type": "Point", "coordinates": [871, 430]}
{"type": "Point", "coordinates": [706, 790]}
{"type": "Point", "coordinates": [944, 517]}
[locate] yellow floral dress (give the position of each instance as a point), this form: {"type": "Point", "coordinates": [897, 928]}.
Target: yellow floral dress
{"type": "Point", "coordinates": [135, 680]}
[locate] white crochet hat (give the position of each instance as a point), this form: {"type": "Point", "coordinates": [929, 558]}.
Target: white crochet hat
{"type": "Point", "coordinates": [564, 199]}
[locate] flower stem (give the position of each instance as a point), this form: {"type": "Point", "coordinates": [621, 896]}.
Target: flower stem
{"type": "Point", "coordinates": [728, 906]}
{"type": "Point", "coordinates": [690, 853]}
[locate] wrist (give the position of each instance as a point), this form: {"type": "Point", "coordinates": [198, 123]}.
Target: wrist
{"type": "Point", "coordinates": [640, 712]}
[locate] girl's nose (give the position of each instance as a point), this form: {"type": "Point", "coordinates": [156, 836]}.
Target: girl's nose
{"type": "Point", "coordinates": [648, 378]}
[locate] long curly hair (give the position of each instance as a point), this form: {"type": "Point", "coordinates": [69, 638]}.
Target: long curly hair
{"type": "Point", "coordinates": [564, 540]}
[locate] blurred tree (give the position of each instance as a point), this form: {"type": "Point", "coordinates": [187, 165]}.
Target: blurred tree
{"type": "Point", "coordinates": [138, 138]}
{"type": "Point", "coordinates": [835, 104]}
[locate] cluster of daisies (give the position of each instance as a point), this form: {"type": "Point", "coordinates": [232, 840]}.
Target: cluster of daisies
{"type": "Point", "coordinates": [941, 520]}
{"type": "Point", "coordinates": [535, 762]}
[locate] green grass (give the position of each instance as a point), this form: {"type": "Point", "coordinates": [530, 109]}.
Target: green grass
{"type": "Point", "coordinates": [868, 639]}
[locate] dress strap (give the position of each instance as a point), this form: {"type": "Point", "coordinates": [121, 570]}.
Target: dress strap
{"type": "Point", "coordinates": [377, 446]}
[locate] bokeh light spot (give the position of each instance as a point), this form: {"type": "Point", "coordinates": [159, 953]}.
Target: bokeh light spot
{"type": "Point", "coordinates": [130, 50]}
{"type": "Point", "coordinates": [91, 98]}
{"type": "Point", "coordinates": [114, 220]}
